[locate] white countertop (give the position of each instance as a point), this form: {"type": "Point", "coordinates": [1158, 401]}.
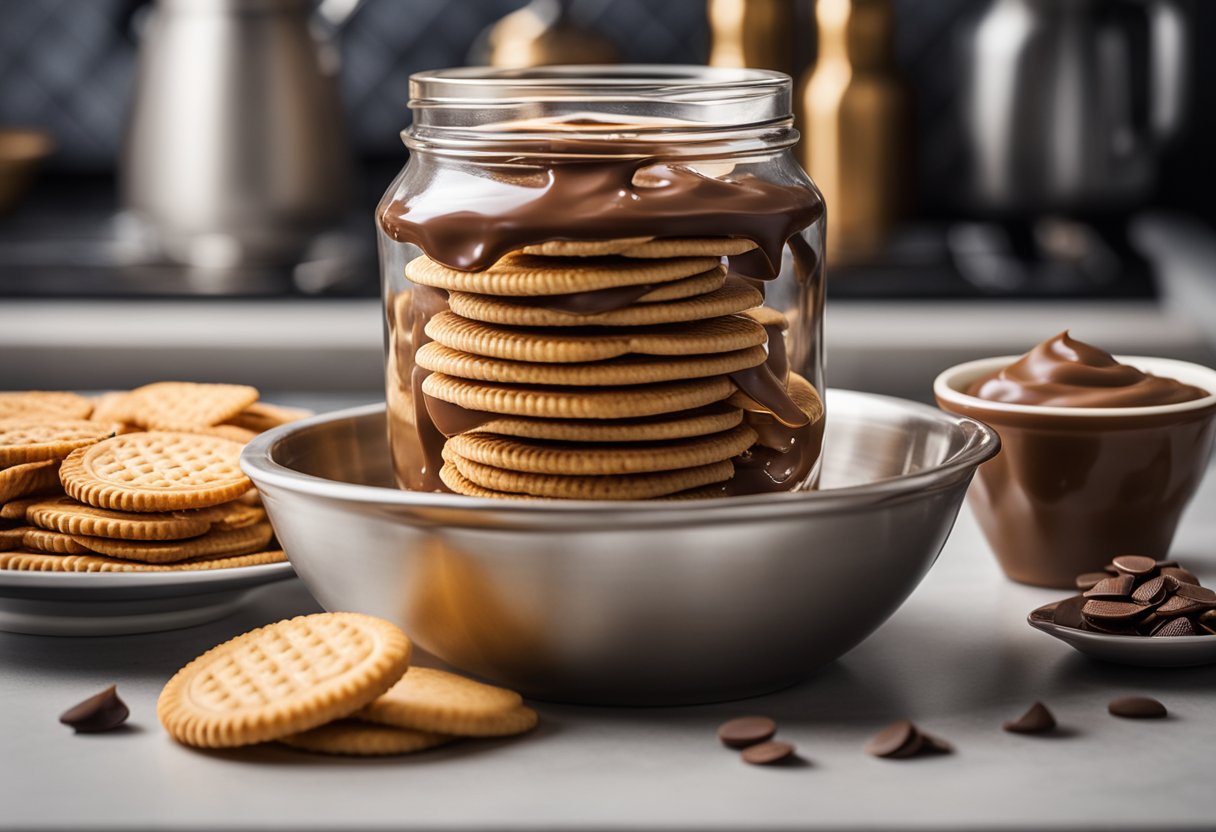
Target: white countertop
{"type": "Point", "coordinates": [958, 659]}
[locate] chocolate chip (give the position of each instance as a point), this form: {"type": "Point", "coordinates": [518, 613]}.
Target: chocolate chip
{"type": "Point", "coordinates": [1112, 611]}
{"type": "Point", "coordinates": [902, 739]}
{"type": "Point", "coordinates": [1179, 604]}
{"type": "Point", "coordinates": [1196, 593]}
{"type": "Point", "coordinates": [1119, 587]}
{"type": "Point", "coordinates": [1151, 592]}
{"type": "Point", "coordinates": [1089, 580]}
{"type": "Point", "coordinates": [1037, 720]}
{"type": "Point", "coordinates": [1067, 613]}
{"type": "Point", "coordinates": [888, 741]}
{"type": "Point", "coordinates": [746, 730]}
{"type": "Point", "coordinates": [101, 712]}
{"type": "Point", "coordinates": [767, 753]}
{"type": "Point", "coordinates": [1179, 574]}
{"type": "Point", "coordinates": [1135, 565]}
{"type": "Point", "coordinates": [1175, 627]}
{"type": "Point", "coordinates": [1136, 707]}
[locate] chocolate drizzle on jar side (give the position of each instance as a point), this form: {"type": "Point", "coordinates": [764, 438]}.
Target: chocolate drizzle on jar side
{"type": "Point", "coordinates": [1065, 372]}
{"type": "Point", "coordinates": [469, 222]}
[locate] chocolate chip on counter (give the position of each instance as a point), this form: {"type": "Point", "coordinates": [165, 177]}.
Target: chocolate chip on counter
{"type": "Point", "coordinates": [1112, 588]}
{"type": "Point", "coordinates": [767, 753]}
{"type": "Point", "coordinates": [1151, 592]}
{"type": "Point", "coordinates": [1112, 611]}
{"type": "Point", "coordinates": [101, 712]}
{"type": "Point", "coordinates": [1134, 565]}
{"type": "Point", "coordinates": [1175, 627]}
{"type": "Point", "coordinates": [746, 730]}
{"type": "Point", "coordinates": [1180, 575]}
{"type": "Point", "coordinates": [1068, 612]}
{"type": "Point", "coordinates": [1136, 707]}
{"type": "Point", "coordinates": [888, 741]}
{"type": "Point", "coordinates": [902, 739]}
{"type": "Point", "coordinates": [1037, 720]}
{"type": "Point", "coordinates": [1089, 580]}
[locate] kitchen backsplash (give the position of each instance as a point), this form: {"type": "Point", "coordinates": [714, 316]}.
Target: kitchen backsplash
{"type": "Point", "coordinates": [68, 66]}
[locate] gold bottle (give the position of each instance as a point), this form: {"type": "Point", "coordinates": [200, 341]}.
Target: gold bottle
{"type": "Point", "coordinates": [761, 34]}
{"type": "Point", "coordinates": [857, 130]}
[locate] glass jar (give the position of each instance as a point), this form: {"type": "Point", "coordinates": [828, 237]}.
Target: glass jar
{"type": "Point", "coordinates": [603, 282]}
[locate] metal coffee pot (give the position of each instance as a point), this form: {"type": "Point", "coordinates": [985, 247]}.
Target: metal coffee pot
{"type": "Point", "coordinates": [1067, 103]}
{"type": "Point", "coordinates": [236, 151]}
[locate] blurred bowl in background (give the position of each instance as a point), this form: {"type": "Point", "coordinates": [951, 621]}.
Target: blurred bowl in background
{"type": "Point", "coordinates": [22, 150]}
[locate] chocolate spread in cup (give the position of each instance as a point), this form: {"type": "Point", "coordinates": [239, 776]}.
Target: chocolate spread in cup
{"type": "Point", "coordinates": [1065, 372]}
{"type": "Point", "coordinates": [469, 221]}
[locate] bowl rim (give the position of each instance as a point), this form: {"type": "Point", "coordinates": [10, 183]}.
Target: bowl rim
{"type": "Point", "coordinates": [980, 444]}
{"type": "Point", "coordinates": [947, 387]}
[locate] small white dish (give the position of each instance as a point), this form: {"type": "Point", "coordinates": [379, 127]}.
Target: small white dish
{"type": "Point", "coordinates": [121, 603]}
{"type": "Point", "coordinates": [1178, 651]}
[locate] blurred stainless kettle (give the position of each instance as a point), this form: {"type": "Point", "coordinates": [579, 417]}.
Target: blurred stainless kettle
{"type": "Point", "coordinates": [236, 151]}
{"type": "Point", "coordinates": [1066, 105]}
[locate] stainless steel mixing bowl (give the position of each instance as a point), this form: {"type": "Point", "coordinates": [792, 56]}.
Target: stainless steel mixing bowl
{"type": "Point", "coordinates": [627, 603]}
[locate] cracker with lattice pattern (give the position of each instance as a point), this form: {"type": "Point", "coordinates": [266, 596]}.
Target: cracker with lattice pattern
{"type": "Point", "coordinates": [35, 440]}
{"type": "Point", "coordinates": [28, 479]}
{"type": "Point", "coordinates": [43, 404]}
{"type": "Point", "coordinates": [428, 699]}
{"type": "Point", "coordinates": [362, 739]}
{"type": "Point", "coordinates": [63, 514]}
{"type": "Point", "coordinates": [283, 679]}
{"type": "Point", "coordinates": [232, 542]}
{"type": "Point", "coordinates": [22, 560]}
{"type": "Point", "coordinates": [183, 405]}
{"type": "Point", "coordinates": [157, 471]}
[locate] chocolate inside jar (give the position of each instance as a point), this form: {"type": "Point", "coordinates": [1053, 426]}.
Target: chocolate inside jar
{"type": "Point", "coordinates": [468, 218]}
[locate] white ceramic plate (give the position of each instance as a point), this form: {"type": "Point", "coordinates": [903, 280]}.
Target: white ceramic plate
{"type": "Point", "coordinates": [1181, 651]}
{"type": "Point", "coordinates": [116, 603]}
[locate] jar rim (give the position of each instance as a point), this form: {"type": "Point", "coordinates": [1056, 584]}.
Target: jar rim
{"type": "Point", "coordinates": [469, 109]}
{"type": "Point", "coordinates": [656, 82]}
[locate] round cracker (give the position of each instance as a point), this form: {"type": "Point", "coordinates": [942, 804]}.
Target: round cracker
{"type": "Point", "coordinates": [629, 487]}
{"type": "Point", "coordinates": [601, 460]}
{"type": "Point", "coordinates": [283, 679]}
{"type": "Point", "coordinates": [43, 404]}
{"type": "Point", "coordinates": [34, 440]}
{"type": "Point", "coordinates": [713, 418]}
{"type": "Point", "coordinates": [735, 296]}
{"type": "Point", "coordinates": [645, 247]}
{"type": "Point", "coordinates": [613, 372]}
{"type": "Point", "coordinates": [29, 478]}
{"type": "Point", "coordinates": [716, 335]}
{"type": "Point", "coordinates": [51, 542]}
{"type": "Point", "coordinates": [364, 739]}
{"type": "Point", "coordinates": [576, 403]}
{"type": "Point", "coordinates": [63, 514]}
{"type": "Point", "coordinates": [155, 472]}
{"type": "Point", "coordinates": [427, 699]}
{"type": "Point", "coordinates": [459, 484]}
{"type": "Point", "coordinates": [39, 562]}
{"type": "Point", "coordinates": [213, 544]}
{"type": "Point", "coordinates": [801, 392]}
{"type": "Point", "coordinates": [524, 275]}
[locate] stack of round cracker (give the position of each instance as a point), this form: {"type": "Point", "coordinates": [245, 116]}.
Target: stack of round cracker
{"type": "Point", "coordinates": [598, 370]}
{"type": "Point", "coordinates": [147, 480]}
{"type": "Point", "coordinates": [340, 683]}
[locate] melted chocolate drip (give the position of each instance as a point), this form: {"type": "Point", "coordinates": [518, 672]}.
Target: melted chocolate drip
{"type": "Point", "coordinates": [598, 200]}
